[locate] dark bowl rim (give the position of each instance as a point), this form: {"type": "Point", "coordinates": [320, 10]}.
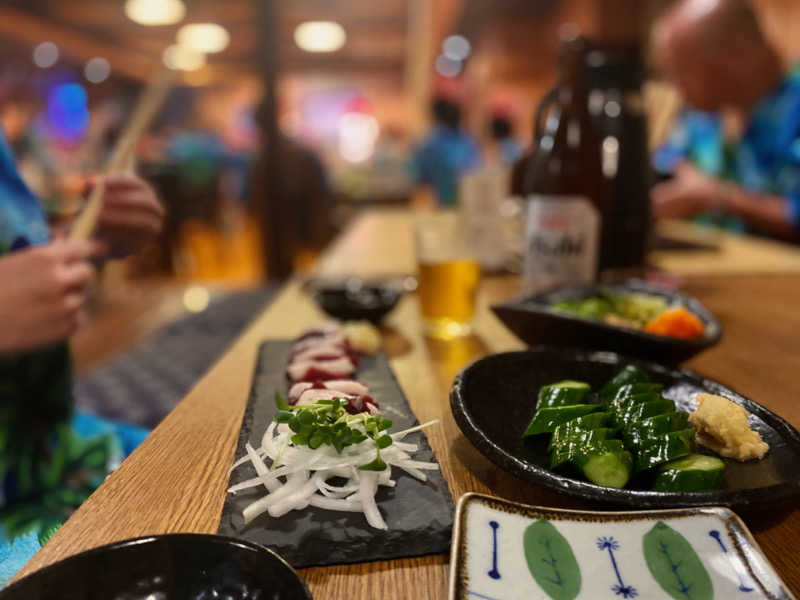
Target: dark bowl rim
{"type": "Point", "coordinates": [145, 539]}
{"type": "Point", "coordinates": [532, 303]}
{"type": "Point", "coordinates": [647, 499]}
{"type": "Point", "coordinates": [334, 301]}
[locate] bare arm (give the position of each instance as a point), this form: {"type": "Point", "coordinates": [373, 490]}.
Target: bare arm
{"type": "Point", "coordinates": [692, 192]}
{"type": "Point", "coordinates": [765, 213]}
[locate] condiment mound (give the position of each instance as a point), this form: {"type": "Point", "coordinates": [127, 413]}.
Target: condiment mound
{"type": "Point", "coordinates": [419, 515]}
{"type": "Point", "coordinates": [722, 427]}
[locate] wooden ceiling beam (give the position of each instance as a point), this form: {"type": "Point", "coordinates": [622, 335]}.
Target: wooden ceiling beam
{"type": "Point", "coordinates": [26, 29]}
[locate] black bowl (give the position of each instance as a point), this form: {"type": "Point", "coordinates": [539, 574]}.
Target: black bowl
{"type": "Point", "coordinates": [534, 322]}
{"type": "Point", "coordinates": [494, 398]}
{"type": "Point", "coordinates": [356, 300]}
{"type": "Point", "coordinates": [165, 567]}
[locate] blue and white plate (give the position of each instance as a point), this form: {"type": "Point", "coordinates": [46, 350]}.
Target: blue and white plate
{"type": "Point", "coordinates": [507, 551]}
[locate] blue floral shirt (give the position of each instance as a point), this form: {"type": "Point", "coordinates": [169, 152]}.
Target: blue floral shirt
{"type": "Point", "coordinates": [21, 219]}
{"type": "Point", "coordinates": [767, 157]}
{"type": "Point", "coordinates": [443, 157]}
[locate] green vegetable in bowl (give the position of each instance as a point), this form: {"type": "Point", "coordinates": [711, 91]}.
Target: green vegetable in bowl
{"type": "Point", "coordinates": [634, 309]}
{"type": "Point", "coordinates": [627, 428]}
{"type": "Point", "coordinates": [594, 308]}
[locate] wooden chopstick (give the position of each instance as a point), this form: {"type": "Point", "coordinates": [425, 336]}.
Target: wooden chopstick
{"type": "Point", "coordinates": [149, 103]}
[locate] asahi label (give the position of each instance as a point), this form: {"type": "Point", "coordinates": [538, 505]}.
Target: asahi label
{"type": "Point", "coordinates": [562, 237]}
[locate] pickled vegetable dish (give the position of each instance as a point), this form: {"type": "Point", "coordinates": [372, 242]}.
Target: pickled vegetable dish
{"type": "Point", "coordinates": [625, 434]}
{"type": "Point", "coordinates": [646, 312]}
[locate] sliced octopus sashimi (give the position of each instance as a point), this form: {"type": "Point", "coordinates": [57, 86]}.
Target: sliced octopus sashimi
{"type": "Point", "coordinates": [348, 386]}
{"type": "Point", "coordinates": [319, 350]}
{"type": "Point", "coordinates": [355, 404]}
{"type": "Point", "coordinates": [339, 368]}
{"type": "Point", "coordinates": [343, 386]}
{"type": "Point", "coordinates": [315, 395]}
{"type": "Point", "coordinates": [337, 340]}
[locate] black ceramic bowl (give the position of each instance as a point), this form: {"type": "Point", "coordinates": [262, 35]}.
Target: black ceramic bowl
{"type": "Point", "coordinates": [494, 398]}
{"type": "Point", "coordinates": [356, 300]}
{"type": "Point", "coordinates": [534, 322]}
{"type": "Point", "coordinates": [166, 567]}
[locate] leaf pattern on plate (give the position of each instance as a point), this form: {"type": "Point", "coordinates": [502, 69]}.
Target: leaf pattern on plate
{"type": "Point", "coordinates": [674, 564]}
{"type": "Point", "coordinates": [551, 561]}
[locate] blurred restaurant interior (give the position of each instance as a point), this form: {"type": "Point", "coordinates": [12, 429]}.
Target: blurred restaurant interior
{"type": "Point", "coordinates": [295, 144]}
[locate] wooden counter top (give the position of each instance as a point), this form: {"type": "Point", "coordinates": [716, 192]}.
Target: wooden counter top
{"type": "Point", "coordinates": [176, 480]}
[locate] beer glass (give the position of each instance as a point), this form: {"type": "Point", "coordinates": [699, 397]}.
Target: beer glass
{"type": "Point", "coordinates": [448, 275]}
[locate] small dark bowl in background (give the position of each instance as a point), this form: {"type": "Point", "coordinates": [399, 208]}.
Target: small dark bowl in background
{"type": "Point", "coordinates": [534, 322]}
{"type": "Point", "coordinates": [356, 299]}
{"type": "Point", "coordinates": [165, 567]}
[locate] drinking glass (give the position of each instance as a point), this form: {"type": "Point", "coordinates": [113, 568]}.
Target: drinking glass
{"type": "Point", "coordinates": [448, 275]}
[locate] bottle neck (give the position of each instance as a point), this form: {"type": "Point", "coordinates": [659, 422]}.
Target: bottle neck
{"type": "Point", "coordinates": [573, 87]}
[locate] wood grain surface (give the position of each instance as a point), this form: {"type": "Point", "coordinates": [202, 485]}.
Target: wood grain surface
{"type": "Point", "coordinates": [175, 482]}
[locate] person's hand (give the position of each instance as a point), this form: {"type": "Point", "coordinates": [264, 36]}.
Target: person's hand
{"type": "Point", "coordinates": [688, 193]}
{"type": "Point", "coordinates": [131, 215]}
{"type": "Point", "coordinates": [42, 298]}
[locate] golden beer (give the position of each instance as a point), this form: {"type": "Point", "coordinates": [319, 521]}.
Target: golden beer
{"type": "Point", "coordinates": [447, 291]}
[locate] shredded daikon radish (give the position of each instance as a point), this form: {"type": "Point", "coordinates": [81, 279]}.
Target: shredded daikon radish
{"type": "Point", "coordinates": [335, 504]}
{"type": "Point", "coordinates": [401, 434]}
{"type": "Point", "coordinates": [366, 493]}
{"type": "Point", "coordinates": [298, 475]}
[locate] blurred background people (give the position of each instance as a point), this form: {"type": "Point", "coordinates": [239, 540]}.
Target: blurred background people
{"type": "Point", "coordinates": [503, 147]}
{"type": "Point", "coordinates": [298, 212]}
{"type": "Point", "coordinates": [446, 153]}
{"type": "Point", "coordinates": [748, 172]}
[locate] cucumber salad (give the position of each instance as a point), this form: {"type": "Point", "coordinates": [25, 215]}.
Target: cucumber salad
{"type": "Point", "coordinates": [625, 433]}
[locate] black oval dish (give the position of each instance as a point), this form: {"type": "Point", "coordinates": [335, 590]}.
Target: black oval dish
{"type": "Point", "coordinates": [494, 398]}
{"type": "Point", "coordinates": [356, 300]}
{"type": "Point", "coordinates": [165, 567]}
{"type": "Point", "coordinates": [534, 322]}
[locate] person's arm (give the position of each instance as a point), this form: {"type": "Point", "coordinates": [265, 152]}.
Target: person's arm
{"type": "Point", "coordinates": [43, 300]}
{"type": "Point", "coordinates": [692, 192]}
{"type": "Point", "coordinates": [132, 214]}
{"type": "Point", "coordinates": [766, 213]}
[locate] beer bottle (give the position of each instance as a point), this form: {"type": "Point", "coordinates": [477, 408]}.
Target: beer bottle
{"type": "Point", "coordinates": [615, 72]}
{"type": "Point", "coordinates": [562, 183]}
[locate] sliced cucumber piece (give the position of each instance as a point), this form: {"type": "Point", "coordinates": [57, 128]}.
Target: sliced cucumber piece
{"type": "Point", "coordinates": [586, 422]}
{"type": "Point", "coordinates": [629, 374]}
{"type": "Point", "coordinates": [569, 431]}
{"type": "Point", "coordinates": [570, 448]}
{"type": "Point", "coordinates": [643, 410]}
{"type": "Point", "coordinates": [654, 426]}
{"type": "Point", "coordinates": [664, 448]}
{"type": "Point", "coordinates": [563, 393]}
{"type": "Point", "coordinates": [619, 405]}
{"type": "Point", "coordinates": [629, 389]}
{"type": "Point", "coordinates": [608, 465]}
{"type": "Point", "coordinates": [547, 419]}
{"type": "Point", "coordinates": [692, 473]}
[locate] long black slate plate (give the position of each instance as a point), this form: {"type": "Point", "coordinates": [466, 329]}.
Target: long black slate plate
{"type": "Point", "coordinates": [419, 514]}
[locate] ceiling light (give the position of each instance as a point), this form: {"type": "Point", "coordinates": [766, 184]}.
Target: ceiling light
{"type": "Point", "coordinates": [204, 37]}
{"type": "Point", "coordinates": [155, 12]}
{"type": "Point", "coordinates": [456, 47]}
{"type": "Point", "coordinates": [180, 58]}
{"type": "Point", "coordinates": [45, 55]}
{"type": "Point", "coordinates": [320, 36]}
{"type": "Point", "coordinates": [97, 70]}
{"type": "Point", "coordinates": [447, 67]}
